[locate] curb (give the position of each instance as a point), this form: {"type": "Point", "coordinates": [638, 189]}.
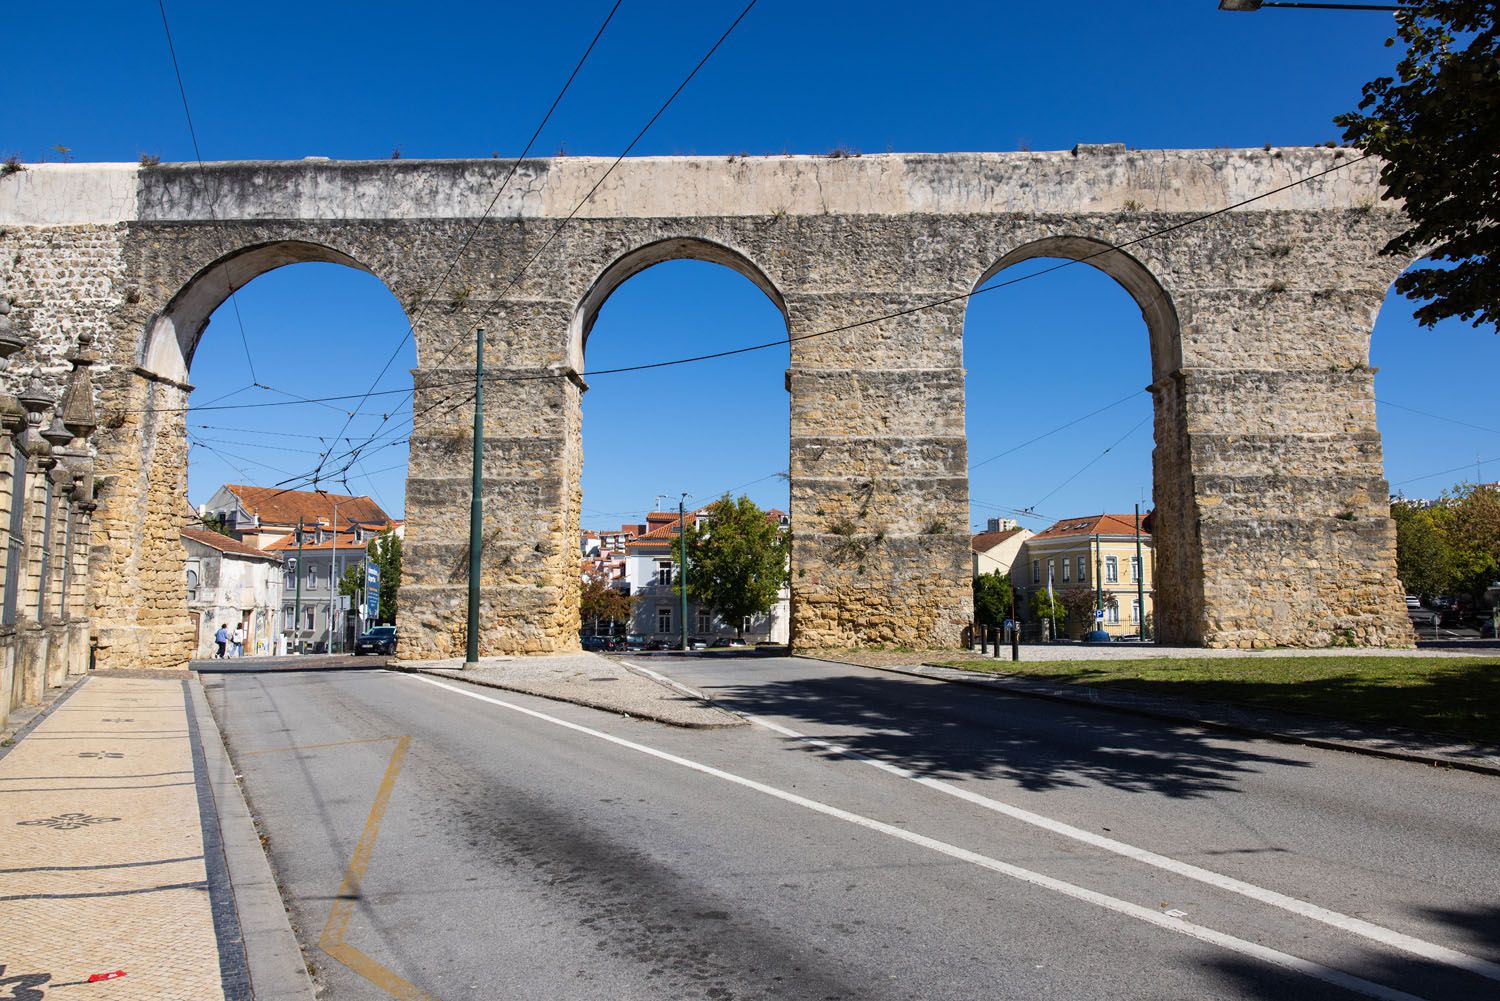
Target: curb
{"type": "Point", "coordinates": [993, 684]}
{"type": "Point", "coordinates": [577, 701]}
{"type": "Point", "coordinates": [277, 967]}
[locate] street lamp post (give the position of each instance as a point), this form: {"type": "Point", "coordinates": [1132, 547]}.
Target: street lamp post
{"type": "Point", "coordinates": [682, 534]}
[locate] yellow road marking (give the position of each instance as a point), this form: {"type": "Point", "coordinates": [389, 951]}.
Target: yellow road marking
{"type": "Point", "coordinates": [332, 940]}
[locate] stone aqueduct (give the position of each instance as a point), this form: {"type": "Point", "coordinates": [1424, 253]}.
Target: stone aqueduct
{"type": "Point", "coordinates": [1272, 524]}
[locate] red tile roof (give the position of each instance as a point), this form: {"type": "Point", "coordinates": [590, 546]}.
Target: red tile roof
{"type": "Point", "coordinates": [346, 540]}
{"type": "Point", "coordinates": [284, 507]}
{"type": "Point", "coordinates": [985, 541]}
{"type": "Point", "coordinates": [225, 544]}
{"type": "Point", "coordinates": [1094, 524]}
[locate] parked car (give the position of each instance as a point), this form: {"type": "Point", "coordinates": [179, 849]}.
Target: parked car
{"type": "Point", "coordinates": [1412, 601]}
{"type": "Point", "coordinates": [634, 641]}
{"type": "Point", "coordinates": [377, 640]}
{"type": "Point", "coordinates": [726, 641]}
{"type": "Point", "coordinates": [598, 644]}
{"type": "Point", "coordinates": [1487, 629]}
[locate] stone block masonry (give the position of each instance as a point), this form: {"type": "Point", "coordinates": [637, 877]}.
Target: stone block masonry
{"type": "Point", "coordinates": [1272, 526]}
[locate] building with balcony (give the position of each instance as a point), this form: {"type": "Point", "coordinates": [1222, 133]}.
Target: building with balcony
{"type": "Point", "coordinates": [1097, 552]}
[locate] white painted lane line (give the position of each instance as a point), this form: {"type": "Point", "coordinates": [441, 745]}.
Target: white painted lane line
{"type": "Point", "coordinates": [1254, 950]}
{"type": "Point", "coordinates": [1343, 922]}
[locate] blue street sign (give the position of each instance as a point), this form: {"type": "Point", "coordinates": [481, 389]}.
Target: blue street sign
{"type": "Point", "coordinates": [1099, 615]}
{"type": "Point", "coordinates": [1009, 625]}
{"type": "Point", "coordinates": [372, 591]}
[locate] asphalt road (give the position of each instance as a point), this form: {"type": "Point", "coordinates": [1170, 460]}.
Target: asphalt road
{"type": "Point", "coordinates": [440, 840]}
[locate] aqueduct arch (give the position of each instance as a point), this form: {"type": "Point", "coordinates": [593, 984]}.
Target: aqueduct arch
{"type": "Point", "coordinates": [1267, 454]}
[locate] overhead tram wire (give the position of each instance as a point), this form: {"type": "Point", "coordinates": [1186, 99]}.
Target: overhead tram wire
{"type": "Point", "coordinates": [1444, 472]}
{"type": "Point", "coordinates": [1438, 417]}
{"type": "Point", "coordinates": [1060, 427]}
{"type": "Point", "coordinates": [423, 298]}
{"type": "Point", "coordinates": [203, 175]}
{"type": "Point", "coordinates": [521, 272]}
{"type": "Point", "coordinates": [1133, 429]}
{"type": "Point", "coordinates": [994, 286]}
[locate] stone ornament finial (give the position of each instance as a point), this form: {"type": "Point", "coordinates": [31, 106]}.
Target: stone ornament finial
{"type": "Point", "coordinates": [77, 405]}
{"type": "Point", "coordinates": [34, 400]}
{"type": "Point", "coordinates": [56, 433]}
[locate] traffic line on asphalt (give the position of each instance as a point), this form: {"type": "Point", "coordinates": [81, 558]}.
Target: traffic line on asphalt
{"type": "Point", "coordinates": [1344, 922]}
{"type": "Point", "coordinates": [331, 941]}
{"type": "Point", "coordinates": [1275, 957]}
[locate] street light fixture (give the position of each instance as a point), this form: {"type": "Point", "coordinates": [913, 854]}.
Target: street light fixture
{"type": "Point", "coordinates": [1248, 6]}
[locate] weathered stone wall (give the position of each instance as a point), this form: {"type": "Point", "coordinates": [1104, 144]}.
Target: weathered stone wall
{"type": "Point", "coordinates": [1272, 524]}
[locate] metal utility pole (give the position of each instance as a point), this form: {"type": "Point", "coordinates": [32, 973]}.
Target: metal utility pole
{"type": "Point", "coordinates": [297, 607]}
{"type": "Point", "coordinates": [1098, 582]}
{"type": "Point", "coordinates": [1140, 577]}
{"type": "Point", "coordinates": [476, 505]}
{"type": "Point", "coordinates": [333, 576]}
{"type": "Point", "coordinates": [682, 534]}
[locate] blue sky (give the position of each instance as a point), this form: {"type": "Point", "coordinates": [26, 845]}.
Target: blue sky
{"type": "Point", "coordinates": [356, 81]}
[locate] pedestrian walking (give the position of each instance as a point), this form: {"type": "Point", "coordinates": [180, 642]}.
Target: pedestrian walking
{"type": "Point", "coordinates": [238, 639]}
{"type": "Point", "coordinates": [221, 638]}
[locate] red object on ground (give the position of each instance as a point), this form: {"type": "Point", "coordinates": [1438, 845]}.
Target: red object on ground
{"type": "Point", "coordinates": [95, 978]}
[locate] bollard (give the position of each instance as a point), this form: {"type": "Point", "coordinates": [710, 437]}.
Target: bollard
{"type": "Point", "coordinates": [1015, 642]}
{"type": "Point", "coordinates": [984, 637]}
{"type": "Point", "coordinates": [997, 642]}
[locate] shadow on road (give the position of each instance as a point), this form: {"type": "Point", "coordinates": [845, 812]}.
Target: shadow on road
{"type": "Point", "coordinates": [286, 665]}
{"type": "Point", "coordinates": [945, 731]}
{"type": "Point", "coordinates": [1473, 932]}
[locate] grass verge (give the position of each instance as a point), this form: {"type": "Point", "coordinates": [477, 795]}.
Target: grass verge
{"type": "Point", "coordinates": [1454, 696]}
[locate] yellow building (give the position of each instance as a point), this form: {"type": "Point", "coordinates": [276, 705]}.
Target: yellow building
{"type": "Point", "coordinates": [1097, 552]}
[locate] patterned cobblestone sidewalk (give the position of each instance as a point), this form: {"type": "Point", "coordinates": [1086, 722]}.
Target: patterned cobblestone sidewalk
{"type": "Point", "coordinates": [102, 861]}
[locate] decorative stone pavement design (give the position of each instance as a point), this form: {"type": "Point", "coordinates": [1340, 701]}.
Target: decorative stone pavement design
{"type": "Point", "coordinates": [102, 867]}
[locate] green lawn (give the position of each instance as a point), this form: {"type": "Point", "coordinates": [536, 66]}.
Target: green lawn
{"type": "Point", "coordinates": [1458, 696]}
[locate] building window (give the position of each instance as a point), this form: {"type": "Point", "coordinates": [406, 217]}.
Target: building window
{"type": "Point", "coordinates": [192, 584]}
{"type": "Point", "coordinates": [664, 572]}
{"type": "Point", "coordinates": [1083, 569]}
{"type": "Point", "coordinates": [1036, 571]}
{"type": "Point", "coordinates": [312, 577]}
{"type": "Point", "coordinates": [309, 618]}
{"type": "Point", "coordinates": [1051, 570]}
{"type": "Point", "coordinates": [664, 620]}
{"type": "Point", "coordinates": [1112, 614]}
{"type": "Point", "coordinates": [1135, 569]}
{"type": "Point", "coordinates": [1066, 578]}
{"type": "Point", "coordinates": [704, 623]}
{"type": "Point", "coordinates": [1112, 571]}
{"type": "Point", "coordinates": [1135, 611]}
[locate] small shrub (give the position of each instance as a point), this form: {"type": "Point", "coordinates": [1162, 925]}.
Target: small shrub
{"type": "Point", "coordinates": [1279, 250]}
{"type": "Point", "coordinates": [1346, 516]}
{"type": "Point", "coordinates": [12, 165]}
{"type": "Point", "coordinates": [395, 152]}
{"type": "Point", "coordinates": [1277, 285]}
{"type": "Point", "coordinates": [935, 527]}
{"type": "Point", "coordinates": [1131, 205]}
{"type": "Point", "coordinates": [150, 160]}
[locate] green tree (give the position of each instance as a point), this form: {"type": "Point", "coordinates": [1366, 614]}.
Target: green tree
{"type": "Point", "coordinates": [216, 523]}
{"type": "Point", "coordinates": [1044, 607]}
{"type": "Point", "coordinates": [1424, 560]}
{"type": "Point", "coordinates": [1470, 518]}
{"type": "Point", "coordinates": [737, 560]}
{"type": "Point", "coordinates": [385, 552]}
{"type": "Point", "coordinates": [1080, 601]}
{"type": "Point", "coordinates": [599, 602]}
{"type": "Point", "coordinates": [992, 598]}
{"type": "Point", "coordinates": [1437, 129]}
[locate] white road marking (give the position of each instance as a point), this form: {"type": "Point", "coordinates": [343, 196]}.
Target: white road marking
{"type": "Point", "coordinates": [1343, 922]}
{"type": "Point", "coordinates": [679, 686]}
{"type": "Point", "coordinates": [1275, 957]}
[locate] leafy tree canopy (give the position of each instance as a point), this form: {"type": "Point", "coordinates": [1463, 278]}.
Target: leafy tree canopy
{"type": "Point", "coordinates": [600, 602]}
{"type": "Point", "coordinates": [737, 560]}
{"type": "Point", "coordinates": [1437, 128]}
{"type": "Point", "coordinates": [992, 598]}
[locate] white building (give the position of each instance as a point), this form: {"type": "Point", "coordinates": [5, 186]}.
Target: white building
{"type": "Point", "coordinates": [230, 583]}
